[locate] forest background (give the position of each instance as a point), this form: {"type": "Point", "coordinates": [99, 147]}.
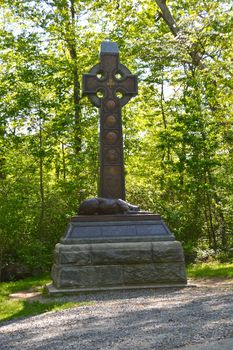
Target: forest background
{"type": "Point", "coordinates": [178, 131]}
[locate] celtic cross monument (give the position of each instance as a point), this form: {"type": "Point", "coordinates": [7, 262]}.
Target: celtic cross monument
{"type": "Point", "coordinates": [110, 85]}
{"type": "Point", "coordinates": [111, 244]}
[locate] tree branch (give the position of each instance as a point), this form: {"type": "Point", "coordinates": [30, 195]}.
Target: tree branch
{"type": "Point", "coordinates": [176, 31]}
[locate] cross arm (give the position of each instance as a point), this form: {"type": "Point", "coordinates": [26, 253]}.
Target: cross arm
{"type": "Point", "coordinates": [91, 85]}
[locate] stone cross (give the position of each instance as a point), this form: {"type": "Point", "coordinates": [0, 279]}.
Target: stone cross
{"type": "Point", "coordinates": [109, 86]}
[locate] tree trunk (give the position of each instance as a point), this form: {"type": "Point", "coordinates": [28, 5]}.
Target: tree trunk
{"type": "Point", "coordinates": [63, 161]}
{"type": "Point", "coordinates": [2, 158]}
{"type": "Point", "coordinates": [41, 169]}
{"type": "Point", "coordinates": [162, 106]}
{"type": "Point", "coordinates": [162, 102]}
{"type": "Point", "coordinates": [76, 84]}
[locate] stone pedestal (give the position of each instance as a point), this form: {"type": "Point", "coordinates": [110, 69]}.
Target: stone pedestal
{"type": "Point", "coordinates": [117, 252]}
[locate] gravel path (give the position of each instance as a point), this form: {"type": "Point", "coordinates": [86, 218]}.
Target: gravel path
{"type": "Point", "coordinates": [137, 320]}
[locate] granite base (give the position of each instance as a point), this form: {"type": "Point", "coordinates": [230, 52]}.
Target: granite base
{"type": "Point", "coordinates": [100, 255]}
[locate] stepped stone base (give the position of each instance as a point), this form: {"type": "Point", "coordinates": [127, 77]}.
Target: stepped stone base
{"type": "Point", "coordinates": [118, 252]}
{"type": "Point", "coordinates": [52, 290]}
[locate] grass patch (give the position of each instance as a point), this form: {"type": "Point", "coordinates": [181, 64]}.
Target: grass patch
{"type": "Point", "coordinates": [213, 269]}
{"type": "Point", "coordinates": [30, 284]}
{"type": "Point", "coordinates": [11, 309]}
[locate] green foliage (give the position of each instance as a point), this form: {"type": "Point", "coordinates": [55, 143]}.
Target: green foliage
{"type": "Point", "coordinates": [213, 269]}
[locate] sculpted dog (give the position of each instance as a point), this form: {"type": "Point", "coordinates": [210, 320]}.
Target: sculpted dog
{"type": "Point", "coordinates": [101, 206]}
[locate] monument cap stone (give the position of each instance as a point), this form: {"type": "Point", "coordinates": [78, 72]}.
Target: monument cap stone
{"type": "Point", "coordinates": [109, 47]}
